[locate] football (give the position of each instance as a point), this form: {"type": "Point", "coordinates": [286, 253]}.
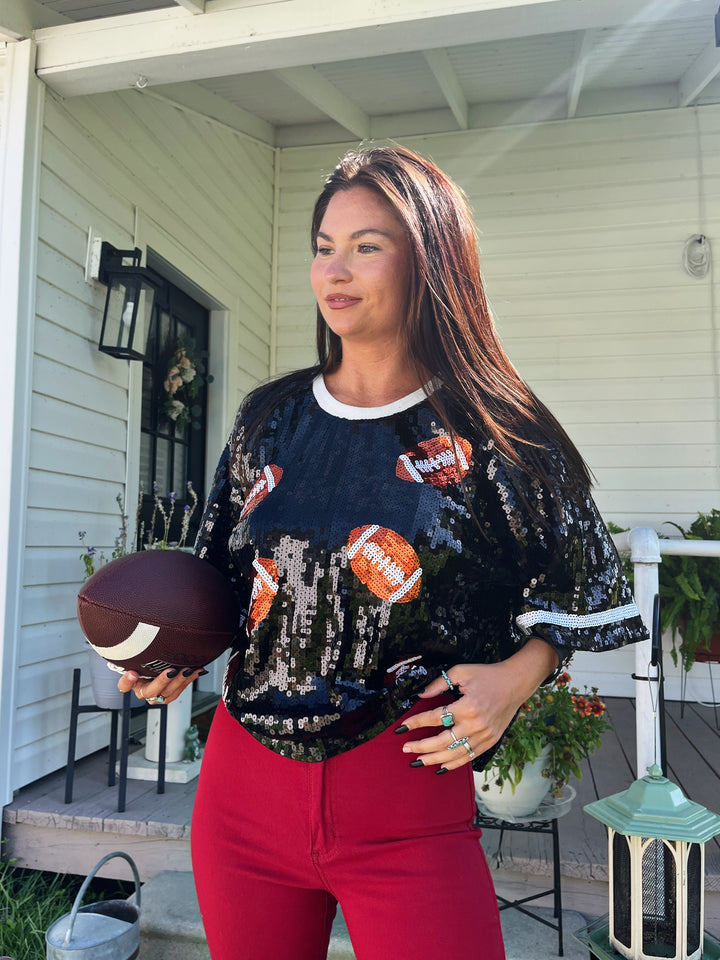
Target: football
{"type": "Point", "coordinates": [264, 588]}
{"type": "Point", "coordinates": [157, 609]}
{"type": "Point", "coordinates": [385, 563]}
{"type": "Point", "coordinates": [435, 461]}
{"type": "Point", "coordinates": [267, 481]}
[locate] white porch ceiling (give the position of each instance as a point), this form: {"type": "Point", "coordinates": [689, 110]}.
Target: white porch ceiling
{"type": "Point", "coordinates": [312, 71]}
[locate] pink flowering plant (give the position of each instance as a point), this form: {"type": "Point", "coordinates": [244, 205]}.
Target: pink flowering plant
{"type": "Point", "coordinates": [559, 716]}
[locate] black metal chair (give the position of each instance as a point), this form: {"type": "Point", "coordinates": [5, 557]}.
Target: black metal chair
{"type": "Point", "coordinates": [122, 716]}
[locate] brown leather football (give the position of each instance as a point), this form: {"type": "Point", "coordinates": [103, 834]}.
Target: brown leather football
{"type": "Point", "coordinates": [157, 609]}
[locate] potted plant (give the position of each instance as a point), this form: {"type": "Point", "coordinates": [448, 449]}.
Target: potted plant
{"type": "Point", "coordinates": [690, 596]}
{"type": "Point", "coordinates": [553, 731]}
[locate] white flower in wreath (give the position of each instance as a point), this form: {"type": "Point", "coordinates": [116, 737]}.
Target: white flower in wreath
{"type": "Point", "coordinates": [174, 408]}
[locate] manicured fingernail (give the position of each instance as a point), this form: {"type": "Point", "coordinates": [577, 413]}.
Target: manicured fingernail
{"type": "Point", "coordinates": [172, 673]}
{"type": "Point", "coordinates": [203, 673]}
{"type": "Point", "coordinates": [402, 729]}
{"type": "Point", "coordinates": [417, 763]}
{"type": "Point", "coordinates": [189, 672]}
{"type": "Point", "coordinates": [441, 770]}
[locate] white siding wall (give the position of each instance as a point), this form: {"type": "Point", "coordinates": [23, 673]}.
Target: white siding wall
{"type": "Point", "coordinates": [3, 62]}
{"type": "Point", "coordinates": [106, 161]}
{"type": "Point", "coordinates": [583, 225]}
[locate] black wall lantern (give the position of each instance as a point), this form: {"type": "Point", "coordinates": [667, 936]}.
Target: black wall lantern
{"type": "Point", "coordinates": [129, 302]}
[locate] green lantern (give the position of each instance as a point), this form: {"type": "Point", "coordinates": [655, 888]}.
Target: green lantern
{"type": "Point", "coordinates": [656, 860]}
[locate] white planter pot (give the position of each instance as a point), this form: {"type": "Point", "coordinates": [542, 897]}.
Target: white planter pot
{"type": "Point", "coordinates": [528, 795]}
{"type": "Point", "coordinates": [104, 682]}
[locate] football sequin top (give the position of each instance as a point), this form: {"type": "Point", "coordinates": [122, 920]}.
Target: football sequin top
{"type": "Point", "coordinates": [361, 573]}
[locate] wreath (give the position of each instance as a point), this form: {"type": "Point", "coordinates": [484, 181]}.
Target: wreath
{"type": "Point", "coordinates": [185, 377]}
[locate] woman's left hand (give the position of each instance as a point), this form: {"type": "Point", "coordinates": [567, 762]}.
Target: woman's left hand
{"type": "Point", "coordinates": [490, 695]}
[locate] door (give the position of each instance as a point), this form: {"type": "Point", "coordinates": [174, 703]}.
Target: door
{"type": "Point", "coordinates": [174, 416]}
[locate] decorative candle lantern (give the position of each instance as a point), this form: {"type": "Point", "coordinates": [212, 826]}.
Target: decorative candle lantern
{"type": "Point", "coordinates": [656, 858]}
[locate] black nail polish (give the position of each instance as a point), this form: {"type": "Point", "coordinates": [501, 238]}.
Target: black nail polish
{"type": "Point", "coordinates": [172, 673]}
{"type": "Point", "coordinates": [441, 770]}
{"type": "Point", "coordinates": [402, 729]}
{"type": "Point", "coordinates": [203, 673]}
{"type": "Point", "coordinates": [188, 672]}
{"type": "Point", "coordinates": [417, 763]}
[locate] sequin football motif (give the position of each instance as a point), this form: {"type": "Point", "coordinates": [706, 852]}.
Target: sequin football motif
{"type": "Point", "coordinates": [385, 563]}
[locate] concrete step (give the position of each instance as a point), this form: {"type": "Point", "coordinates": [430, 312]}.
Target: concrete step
{"type": "Point", "coordinates": [171, 929]}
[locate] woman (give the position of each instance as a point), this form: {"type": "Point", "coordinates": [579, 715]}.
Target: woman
{"type": "Point", "coordinates": [412, 540]}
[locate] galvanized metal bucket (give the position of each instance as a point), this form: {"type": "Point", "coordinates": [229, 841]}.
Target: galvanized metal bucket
{"type": "Point", "coordinates": [109, 930]}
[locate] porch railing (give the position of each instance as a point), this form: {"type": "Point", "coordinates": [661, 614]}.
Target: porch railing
{"type": "Point", "coordinates": [646, 551]}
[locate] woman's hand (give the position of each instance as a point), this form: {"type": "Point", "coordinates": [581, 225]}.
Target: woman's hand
{"type": "Point", "coordinates": [164, 688]}
{"type": "Point", "coordinates": [490, 695]}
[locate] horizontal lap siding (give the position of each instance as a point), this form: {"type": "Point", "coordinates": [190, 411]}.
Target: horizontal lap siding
{"type": "Point", "coordinates": [211, 190]}
{"type": "Point", "coordinates": [582, 227]}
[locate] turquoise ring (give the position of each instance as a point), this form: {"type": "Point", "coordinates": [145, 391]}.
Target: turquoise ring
{"type": "Point", "coordinates": [447, 680]}
{"type": "Point", "coordinates": [448, 720]}
{"type": "Point", "coordinates": [458, 743]}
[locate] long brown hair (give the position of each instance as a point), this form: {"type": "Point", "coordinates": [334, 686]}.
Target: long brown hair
{"type": "Point", "coordinates": [449, 333]}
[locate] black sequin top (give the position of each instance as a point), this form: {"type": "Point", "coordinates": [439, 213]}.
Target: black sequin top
{"type": "Point", "coordinates": [361, 573]}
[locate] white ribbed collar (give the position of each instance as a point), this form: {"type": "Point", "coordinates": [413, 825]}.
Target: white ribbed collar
{"type": "Point", "coordinates": [327, 402]}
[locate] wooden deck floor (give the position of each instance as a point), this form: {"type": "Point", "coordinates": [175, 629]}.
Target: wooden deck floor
{"type": "Point", "coordinates": [45, 833]}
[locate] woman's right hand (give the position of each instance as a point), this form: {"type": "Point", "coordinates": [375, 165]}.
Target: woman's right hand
{"type": "Point", "coordinates": [162, 689]}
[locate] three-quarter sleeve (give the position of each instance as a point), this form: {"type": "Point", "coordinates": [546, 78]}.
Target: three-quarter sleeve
{"type": "Point", "coordinates": [572, 592]}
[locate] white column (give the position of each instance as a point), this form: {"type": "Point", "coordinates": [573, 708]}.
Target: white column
{"type": "Point", "coordinates": [21, 114]}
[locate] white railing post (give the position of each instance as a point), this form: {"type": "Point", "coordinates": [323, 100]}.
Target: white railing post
{"type": "Point", "coordinates": [644, 547]}
{"type": "Point", "coordinates": [645, 555]}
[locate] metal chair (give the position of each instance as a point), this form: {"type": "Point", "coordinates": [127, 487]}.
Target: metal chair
{"type": "Point", "coordinates": [122, 715]}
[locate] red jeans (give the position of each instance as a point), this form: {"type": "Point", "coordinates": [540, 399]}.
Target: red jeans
{"type": "Point", "coordinates": [276, 843]}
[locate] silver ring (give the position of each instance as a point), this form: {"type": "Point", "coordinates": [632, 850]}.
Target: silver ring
{"type": "Point", "coordinates": [447, 680]}
{"type": "Point", "coordinates": [458, 743]}
{"type": "Point", "coordinates": [469, 749]}
{"type": "Point", "coordinates": [454, 736]}
{"type": "Point", "coordinates": [447, 719]}
{"type": "Point", "coordinates": [155, 699]}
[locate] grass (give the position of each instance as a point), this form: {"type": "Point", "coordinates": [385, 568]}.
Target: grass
{"type": "Point", "coordinates": [31, 901]}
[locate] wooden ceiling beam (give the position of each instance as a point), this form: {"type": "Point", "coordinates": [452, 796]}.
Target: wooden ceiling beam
{"type": "Point", "coordinates": [316, 89]}
{"type": "Point", "coordinates": [442, 68]}
{"type": "Point", "coordinates": [192, 6]}
{"type": "Point", "coordinates": [585, 44]}
{"type": "Point", "coordinates": [19, 18]}
{"type": "Point", "coordinates": [235, 36]}
{"type": "Point", "coordinates": [699, 74]}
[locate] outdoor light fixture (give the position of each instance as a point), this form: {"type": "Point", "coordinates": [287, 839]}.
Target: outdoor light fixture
{"type": "Point", "coordinates": [129, 302]}
{"type": "Point", "coordinates": [656, 860]}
